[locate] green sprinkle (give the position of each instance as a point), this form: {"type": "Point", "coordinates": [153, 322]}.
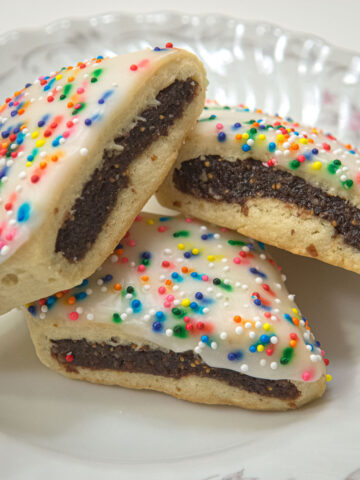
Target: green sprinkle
{"type": "Point", "coordinates": [180, 331]}
{"type": "Point", "coordinates": [181, 233]}
{"type": "Point", "coordinates": [116, 318]}
{"type": "Point", "coordinates": [294, 164]}
{"type": "Point", "coordinates": [334, 166]}
{"type": "Point", "coordinates": [97, 72]}
{"type": "Point", "coordinates": [253, 131]}
{"type": "Point", "coordinates": [337, 163]}
{"type": "Point", "coordinates": [347, 184]}
{"type": "Point", "coordinates": [286, 355]}
{"type": "Point", "coordinates": [236, 242]}
{"type": "Point", "coordinates": [66, 91]}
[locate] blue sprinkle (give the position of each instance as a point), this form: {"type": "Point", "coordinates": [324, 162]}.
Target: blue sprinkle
{"type": "Point", "coordinates": [50, 301]}
{"type": "Point", "coordinates": [174, 275]}
{"type": "Point", "coordinates": [32, 310]}
{"type": "Point", "coordinates": [23, 213]}
{"type": "Point", "coordinates": [146, 255]}
{"type": "Point", "coordinates": [101, 101]}
{"type": "Point", "coordinates": [264, 338]}
{"type": "Point", "coordinates": [204, 236]}
{"type": "Point", "coordinates": [252, 349]}
{"type": "Point", "coordinates": [288, 317]}
{"type": "Point", "coordinates": [272, 147]}
{"type": "Point", "coordinates": [11, 104]}
{"type": "Point", "coordinates": [262, 127]}
{"type": "Point", "coordinates": [157, 49]}
{"type": "Point", "coordinates": [193, 305]}
{"type": "Point", "coordinates": [204, 338]}
{"type": "Point", "coordinates": [81, 296]}
{"type": "Point", "coordinates": [107, 278]}
{"type": "Point", "coordinates": [16, 130]}
{"type": "Point", "coordinates": [199, 295]}
{"type": "Point", "coordinates": [317, 343]}
{"type": "Point", "coordinates": [88, 121]}
{"type": "Point", "coordinates": [164, 219]}
{"type": "Point", "coordinates": [257, 301]}
{"type": "Point", "coordinates": [187, 254]}
{"type": "Point", "coordinates": [135, 304]}
{"type": "Point", "coordinates": [13, 113]}
{"type": "Point", "coordinates": [235, 355]}
{"type": "Point", "coordinates": [30, 158]}
{"type": "Point", "coordinates": [246, 147]}
{"type": "Point", "coordinates": [194, 275]}
{"type": "Point", "coordinates": [237, 125]}
{"type": "Point", "coordinates": [5, 134]}
{"type": "Point", "coordinates": [157, 326]}
{"type": "Point", "coordinates": [28, 85]}
{"type": "Point", "coordinates": [160, 315]}
{"type": "Point", "coordinates": [100, 57]}
{"type": "Point", "coordinates": [221, 136]}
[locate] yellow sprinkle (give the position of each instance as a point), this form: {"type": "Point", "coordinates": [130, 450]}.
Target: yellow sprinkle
{"type": "Point", "coordinates": [39, 143]}
{"type": "Point", "coordinates": [317, 165]}
{"type": "Point", "coordinates": [288, 130]}
{"type": "Point", "coordinates": [28, 164]}
{"type": "Point", "coordinates": [245, 136]}
{"type": "Point", "coordinates": [328, 377]}
{"type": "Point", "coordinates": [266, 326]}
{"type": "Point", "coordinates": [295, 311]}
{"type": "Point", "coordinates": [150, 222]}
{"type": "Point", "coordinates": [181, 246]}
{"type": "Point", "coordinates": [280, 137]}
{"type": "Point", "coordinates": [195, 251]}
{"type": "Point", "coordinates": [303, 140]}
{"type": "Point", "coordinates": [34, 134]}
{"type": "Point", "coordinates": [211, 258]}
{"type": "Point", "coordinates": [260, 348]}
{"type": "Point", "coordinates": [58, 77]}
{"type": "Point", "coordinates": [186, 302]}
{"type": "Point", "coordinates": [261, 136]}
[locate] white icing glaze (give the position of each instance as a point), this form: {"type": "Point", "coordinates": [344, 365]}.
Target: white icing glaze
{"type": "Point", "coordinates": [251, 306]}
{"type": "Point", "coordinates": [36, 160]}
{"type": "Point", "coordinates": [218, 132]}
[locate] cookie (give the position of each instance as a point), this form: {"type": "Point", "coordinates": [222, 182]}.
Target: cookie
{"type": "Point", "coordinates": [81, 151]}
{"type": "Point", "coordinates": [188, 309]}
{"type": "Point", "coordinates": [272, 179]}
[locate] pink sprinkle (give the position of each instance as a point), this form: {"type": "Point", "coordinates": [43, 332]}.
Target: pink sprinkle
{"type": "Point", "coordinates": [144, 62]}
{"type": "Point", "coordinates": [186, 319]}
{"type": "Point", "coordinates": [141, 268]}
{"type": "Point", "coordinates": [167, 304]}
{"type": "Point", "coordinates": [77, 106]}
{"type": "Point", "coordinates": [124, 260]}
{"type": "Point", "coordinates": [219, 126]}
{"type": "Point", "coordinates": [74, 316]}
{"type": "Point", "coordinates": [237, 260]}
{"type": "Point", "coordinates": [170, 298]}
{"type": "Point", "coordinates": [66, 134]}
{"type": "Point", "coordinates": [80, 90]}
{"type": "Point", "coordinates": [301, 158]}
{"type": "Point", "coordinates": [188, 220]}
{"type": "Point", "coordinates": [322, 353]}
{"type": "Point", "coordinates": [138, 218]}
{"type": "Point", "coordinates": [132, 243]}
{"type": "Point", "coordinates": [306, 376]}
{"type": "Point", "coordinates": [204, 278]}
{"type": "Point", "coordinates": [9, 236]}
{"type": "Point", "coordinates": [358, 178]}
{"type": "Point", "coordinates": [223, 229]}
{"type": "Point", "coordinates": [2, 244]}
{"type": "Point", "coordinates": [162, 290]}
{"type": "Point", "coordinates": [161, 229]}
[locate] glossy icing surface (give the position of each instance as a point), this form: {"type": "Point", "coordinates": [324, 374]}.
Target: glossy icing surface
{"type": "Point", "coordinates": [48, 128]}
{"type": "Point", "coordinates": [280, 142]}
{"type": "Point", "coordinates": [186, 285]}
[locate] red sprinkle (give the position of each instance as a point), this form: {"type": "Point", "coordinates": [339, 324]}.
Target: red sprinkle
{"type": "Point", "coordinates": [293, 336]}
{"type": "Point", "coordinates": [165, 264]}
{"type": "Point", "coordinates": [169, 45]}
{"type": "Point", "coordinates": [50, 98]}
{"type": "Point", "coordinates": [200, 325]}
{"type": "Point", "coordinates": [8, 206]}
{"type": "Point", "coordinates": [133, 67]}
{"type": "Point", "coordinates": [326, 146]}
{"type": "Point", "coordinates": [73, 316]}
{"type": "Point", "coordinates": [161, 229]}
{"type": "Point", "coordinates": [34, 178]}
{"type": "Point", "coordinates": [69, 358]}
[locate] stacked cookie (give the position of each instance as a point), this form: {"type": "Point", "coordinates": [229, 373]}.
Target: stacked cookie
{"type": "Point", "coordinates": [173, 304]}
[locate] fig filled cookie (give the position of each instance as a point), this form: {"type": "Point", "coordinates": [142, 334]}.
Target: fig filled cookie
{"type": "Point", "coordinates": [270, 178]}
{"type": "Point", "coordinates": [81, 151]}
{"type": "Point", "coordinates": [189, 309]}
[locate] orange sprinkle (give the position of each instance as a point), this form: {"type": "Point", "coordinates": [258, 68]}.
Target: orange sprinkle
{"type": "Point", "coordinates": [21, 111]}
{"type": "Point", "coordinates": [59, 294]}
{"type": "Point", "coordinates": [43, 165]}
{"type": "Point", "coordinates": [238, 136]}
{"type": "Point", "coordinates": [71, 79]}
{"type": "Point", "coordinates": [70, 104]}
{"type": "Point", "coordinates": [119, 251]}
{"type": "Point", "coordinates": [54, 158]}
{"type": "Point", "coordinates": [293, 343]}
{"type": "Point", "coordinates": [184, 269]}
{"type": "Point", "coordinates": [295, 321]}
{"type": "Point", "coordinates": [237, 319]}
{"type": "Point", "coordinates": [294, 146]}
{"type": "Point", "coordinates": [117, 286]}
{"type": "Point", "coordinates": [71, 300]}
{"type": "Point", "coordinates": [16, 93]}
{"type": "Point", "coordinates": [168, 282]}
{"type": "Point", "coordinates": [145, 278]}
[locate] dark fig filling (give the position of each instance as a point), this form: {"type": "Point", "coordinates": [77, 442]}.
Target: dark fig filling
{"type": "Point", "coordinates": [216, 179]}
{"type": "Point", "coordinates": [130, 358]}
{"type": "Point", "coordinates": [99, 195]}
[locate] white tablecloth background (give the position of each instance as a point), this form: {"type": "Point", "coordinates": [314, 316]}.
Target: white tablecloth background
{"type": "Point", "coordinates": [337, 21]}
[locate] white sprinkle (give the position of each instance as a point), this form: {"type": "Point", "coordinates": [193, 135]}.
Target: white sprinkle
{"type": "Point", "coordinates": [278, 285]}
{"type": "Point", "coordinates": [277, 300]}
{"type": "Point", "coordinates": [203, 227]}
{"type": "Point", "coordinates": [4, 250]}
{"type": "Point", "coordinates": [152, 311]}
{"type": "Point", "coordinates": [244, 286]}
{"type": "Point", "coordinates": [226, 304]}
{"type": "Point", "coordinates": [245, 249]}
{"type": "Point", "coordinates": [237, 284]}
{"type": "Point", "coordinates": [210, 289]}
{"type": "Point", "coordinates": [129, 311]}
{"type": "Point", "coordinates": [262, 256]}
{"type": "Point", "coordinates": [162, 277]}
{"type": "Point", "coordinates": [44, 308]}
{"type": "Point", "coordinates": [273, 365]}
{"type": "Point", "coordinates": [211, 265]}
{"type": "Point", "coordinates": [274, 340]}
{"type": "Point", "coordinates": [12, 222]}
{"type": "Point", "coordinates": [302, 323]}
{"type": "Point", "coordinates": [84, 151]}
{"type": "Point", "coordinates": [123, 316]}
{"type": "Point", "coordinates": [258, 324]}
{"type": "Point", "coordinates": [22, 175]}
{"type": "Point", "coordinates": [291, 296]}
{"type": "Point", "coordinates": [252, 335]}
{"type": "Point", "coordinates": [283, 277]}
{"type": "Point", "coordinates": [146, 317]}
{"type": "Point", "coordinates": [168, 332]}
{"type": "Point", "coordinates": [100, 281]}
{"type": "Point", "coordinates": [103, 289]}
{"type": "Point", "coordinates": [128, 295]}
{"type": "Point", "coordinates": [226, 268]}
{"type": "Point", "coordinates": [227, 281]}
{"type": "Point", "coordinates": [244, 367]}
{"type": "Point", "coordinates": [308, 347]}
{"type": "Point", "coordinates": [250, 142]}
{"type": "Point", "coordinates": [18, 188]}
{"type": "Point", "coordinates": [176, 287]}
{"type": "Point", "coordinates": [248, 325]}
{"type": "Point", "coordinates": [239, 330]}
{"type": "Point", "coordinates": [146, 287]}
{"type": "Point", "coordinates": [79, 310]}
{"type": "Point", "coordinates": [258, 280]}
{"type": "Point", "coordinates": [4, 179]}
{"type": "Point", "coordinates": [263, 362]}
{"type": "Point", "coordinates": [167, 251]}
{"type": "Point", "coordinates": [62, 140]}
{"type": "Point", "coordinates": [217, 236]}
{"type": "Point", "coordinates": [42, 316]}
{"type": "Point", "coordinates": [197, 350]}
{"type": "Point", "coordinates": [214, 345]}
{"type": "Point", "coordinates": [273, 318]}
{"type": "Point", "coordinates": [223, 335]}
{"type": "Point", "coordinates": [90, 316]}
{"type": "Point", "coordinates": [206, 310]}
{"type": "Point", "coordinates": [176, 302]}
{"type": "Point", "coordinates": [219, 246]}
{"type": "Point", "coordinates": [219, 295]}
{"type": "Point", "coordinates": [89, 291]}
{"type": "Point", "coordinates": [114, 258]}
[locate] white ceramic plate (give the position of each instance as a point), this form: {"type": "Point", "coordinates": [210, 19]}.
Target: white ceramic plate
{"type": "Point", "coordinates": [53, 427]}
